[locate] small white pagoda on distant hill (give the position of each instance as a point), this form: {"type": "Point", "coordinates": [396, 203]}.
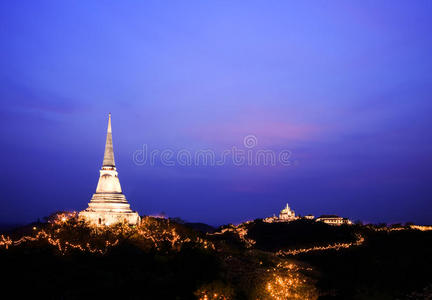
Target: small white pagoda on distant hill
{"type": "Point", "coordinates": [285, 215]}
{"type": "Point", "coordinates": [108, 205]}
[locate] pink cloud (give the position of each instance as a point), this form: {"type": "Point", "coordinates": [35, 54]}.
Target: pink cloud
{"type": "Point", "coordinates": [269, 128]}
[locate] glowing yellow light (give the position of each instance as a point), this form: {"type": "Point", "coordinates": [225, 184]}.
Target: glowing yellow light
{"type": "Point", "coordinates": [286, 281]}
{"type": "Point", "coordinates": [420, 227]}
{"type": "Point", "coordinates": [241, 231]}
{"type": "Point", "coordinates": [149, 231]}
{"type": "Point", "coordinates": [360, 240]}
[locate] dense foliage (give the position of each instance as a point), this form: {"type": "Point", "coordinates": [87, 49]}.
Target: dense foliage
{"type": "Point", "coordinates": [165, 259]}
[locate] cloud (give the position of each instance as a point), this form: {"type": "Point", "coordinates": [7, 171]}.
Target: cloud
{"type": "Point", "coordinates": [270, 128]}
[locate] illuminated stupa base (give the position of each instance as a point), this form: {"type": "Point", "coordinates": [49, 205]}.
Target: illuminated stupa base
{"type": "Point", "coordinates": [108, 205]}
{"type": "Point", "coordinates": [107, 218]}
{"type": "Point", "coordinates": [108, 209]}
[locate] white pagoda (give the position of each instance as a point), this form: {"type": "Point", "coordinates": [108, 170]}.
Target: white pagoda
{"type": "Point", "coordinates": [108, 205]}
{"type": "Point", "coordinates": [287, 214]}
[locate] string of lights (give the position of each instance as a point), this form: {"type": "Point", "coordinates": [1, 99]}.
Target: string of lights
{"type": "Point", "coordinates": [421, 228]}
{"type": "Point", "coordinates": [338, 246]}
{"type": "Point", "coordinates": [241, 231]}
{"type": "Point", "coordinates": [61, 227]}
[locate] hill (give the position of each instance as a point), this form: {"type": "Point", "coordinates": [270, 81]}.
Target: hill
{"type": "Point", "coordinates": [162, 259]}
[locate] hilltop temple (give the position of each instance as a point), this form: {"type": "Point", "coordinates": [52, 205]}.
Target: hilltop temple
{"type": "Point", "coordinates": [285, 215]}
{"type": "Point", "coordinates": [288, 215]}
{"type": "Point", "coordinates": [333, 220]}
{"type": "Point", "coordinates": [108, 205]}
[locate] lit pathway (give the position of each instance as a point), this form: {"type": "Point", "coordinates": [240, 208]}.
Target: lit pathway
{"type": "Point", "coordinates": [338, 246]}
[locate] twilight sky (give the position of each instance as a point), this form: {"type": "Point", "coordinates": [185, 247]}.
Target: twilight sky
{"type": "Point", "coordinates": [345, 86]}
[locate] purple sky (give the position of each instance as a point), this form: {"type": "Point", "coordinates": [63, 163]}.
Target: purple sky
{"type": "Point", "coordinates": [346, 87]}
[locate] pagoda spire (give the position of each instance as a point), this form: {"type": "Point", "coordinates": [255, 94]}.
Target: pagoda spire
{"type": "Point", "coordinates": [108, 160]}
{"type": "Point", "coordinates": [108, 205]}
